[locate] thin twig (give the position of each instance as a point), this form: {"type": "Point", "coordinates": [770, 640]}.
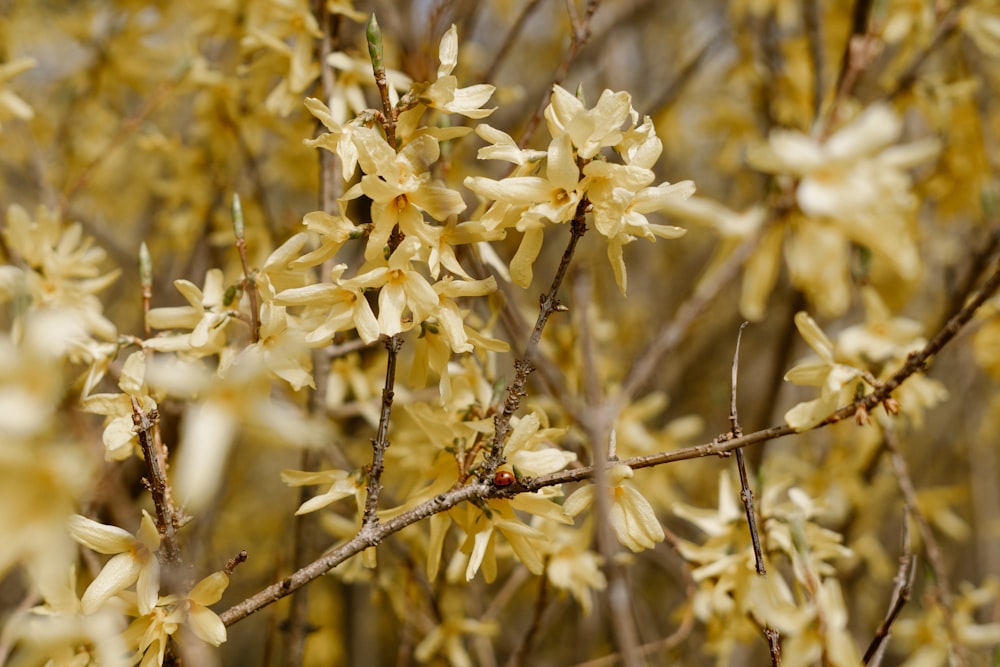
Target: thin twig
{"type": "Point", "coordinates": [522, 656]}
{"type": "Point", "coordinates": [932, 549]}
{"type": "Point", "coordinates": [249, 284]}
{"type": "Point", "coordinates": [771, 634]}
{"type": "Point", "coordinates": [579, 37]}
{"type": "Point", "coordinates": [509, 40]}
{"type": "Point", "coordinates": [380, 442]}
{"type": "Point", "coordinates": [746, 494]}
{"type": "Point", "coordinates": [900, 595]}
{"type": "Point", "coordinates": [549, 303]}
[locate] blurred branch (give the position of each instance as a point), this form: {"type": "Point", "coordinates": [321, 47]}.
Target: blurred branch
{"type": "Point", "coordinates": [940, 590]}
{"type": "Point", "coordinates": [671, 335]}
{"type": "Point", "coordinates": [515, 30]}
{"type": "Point", "coordinates": [579, 37]}
{"type": "Point", "coordinates": [900, 595]}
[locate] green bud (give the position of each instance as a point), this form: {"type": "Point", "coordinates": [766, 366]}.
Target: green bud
{"type": "Point", "coordinates": [238, 217]}
{"type": "Point", "coordinates": [374, 35]}
{"type": "Point", "coordinates": [145, 266]}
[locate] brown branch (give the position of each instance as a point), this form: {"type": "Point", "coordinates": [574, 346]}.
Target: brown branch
{"type": "Point", "coordinates": [380, 442]}
{"type": "Point", "coordinates": [670, 336]}
{"type": "Point", "coordinates": [579, 37]}
{"type": "Point", "coordinates": [522, 656]}
{"type": "Point", "coordinates": [900, 596]}
{"type": "Point", "coordinates": [549, 303]}
{"type": "Point", "coordinates": [249, 284]}
{"type": "Point", "coordinates": [156, 480]}
{"type": "Point", "coordinates": [509, 39]}
{"type": "Point", "coordinates": [746, 495]}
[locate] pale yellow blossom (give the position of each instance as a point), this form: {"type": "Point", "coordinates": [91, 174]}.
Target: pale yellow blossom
{"type": "Point", "coordinates": [631, 516]}
{"type": "Point", "coordinates": [134, 561]}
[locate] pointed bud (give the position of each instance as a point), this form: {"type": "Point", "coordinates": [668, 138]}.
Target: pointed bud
{"type": "Point", "coordinates": [238, 217]}
{"type": "Point", "coordinates": [145, 266]}
{"type": "Point", "coordinates": [374, 35]}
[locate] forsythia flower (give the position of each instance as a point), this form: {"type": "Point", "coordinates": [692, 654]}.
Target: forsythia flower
{"type": "Point", "coordinates": [342, 485]}
{"type": "Point", "coordinates": [120, 438]}
{"type": "Point", "coordinates": [856, 178]}
{"type": "Point", "coordinates": [12, 106]}
{"type": "Point", "coordinates": [401, 189]}
{"type": "Point", "coordinates": [621, 195]}
{"type": "Point", "coordinates": [206, 316]}
{"type": "Point", "coordinates": [444, 93]}
{"type": "Point", "coordinates": [834, 379]}
{"type": "Point", "coordinates": [134, 561]}
{"type": "Point", "coordinates": [632, 518]}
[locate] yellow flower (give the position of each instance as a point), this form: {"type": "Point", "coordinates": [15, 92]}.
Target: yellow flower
{"type": "Point", "coordinates": [134, 561]}
{"type": "Point", "coordinates": [63, 268]}
{"type": "Point", "coordinates": [403, 290]}
{"type": "Point", "coordinates": [401, 189]}
{"type": "Point", "coordinates": [339, 140]}
{"type": "Point", "coordinates": [12, 106]}
{"type": "Point", "coordinates": [120, 438]}
{"type": "Point", "coordinates": [204, 622]}
{"type": "Point", "coordinates": [834, 379]}
{"type": "Point", "coordinates": [857, 179]}
{"type": "Point", "coordinates": [444, 93]}
{"type": "Point", "coordinates": [331, 308]}
{"type": "Point", "coordinates": [206, 316]}
{"type": "Point", "coordinates": [342, 485]}
{"type": "Point", "coordinates": [590, 130]}
{"type": "Point", "coordinates": [631, 516]}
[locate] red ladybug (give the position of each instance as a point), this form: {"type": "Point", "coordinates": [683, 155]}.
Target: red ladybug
{"type": "Point", "coordinates": [503, 478]}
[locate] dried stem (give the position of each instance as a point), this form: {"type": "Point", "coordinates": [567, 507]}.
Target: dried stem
{"type": "Point", "coordinates": [156, 480]}
{"type": "Point", "coordinates": [670, 336]}
{"type": "Point", "coordinates": [932, 549]}
{"type": "Point", "coordinates": [746, 495]}
{"type": "Point", "coordinates": [522, 656]}
{"type": "Point", "coordinates": [900, 596]}
{"type": "Point", "coordinates": [579, 37]}
{"type": "Point", "coordinates": [549, 303]}
{"type": "Point", "coordinates": [381, 441]}
{"type": "Point", "coordinates": [249, 284]}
